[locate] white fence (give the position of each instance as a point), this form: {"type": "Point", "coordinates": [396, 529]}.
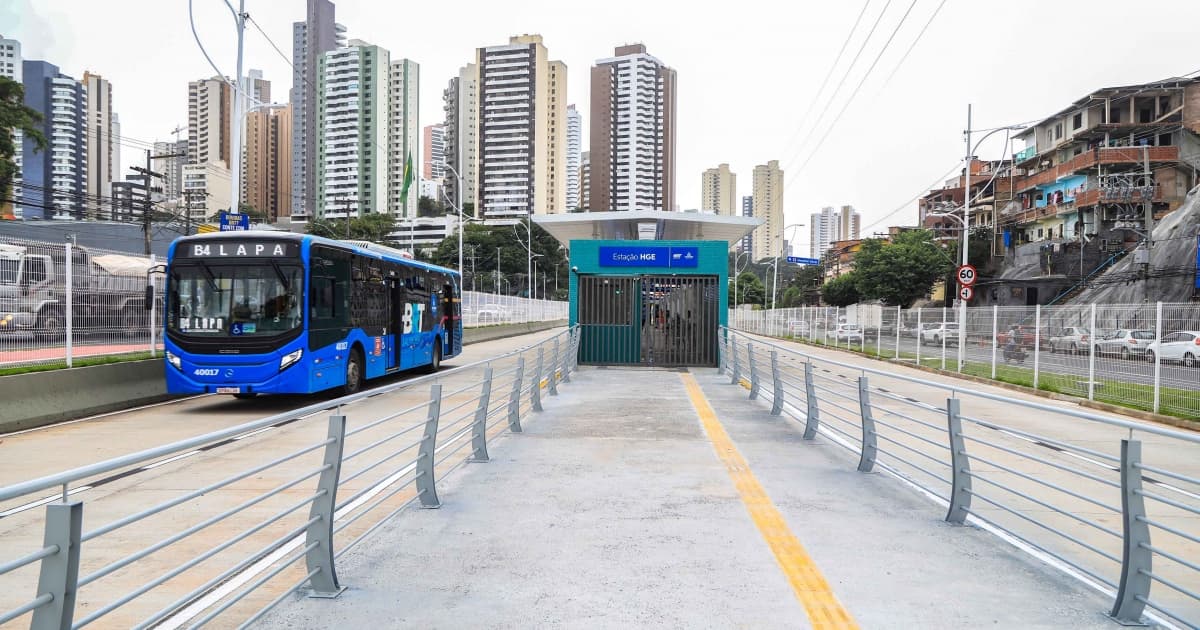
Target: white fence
{"type": "Point", "coordinates": [1144, 356]}
{"type": "Point", "coordinates": [54, 312]}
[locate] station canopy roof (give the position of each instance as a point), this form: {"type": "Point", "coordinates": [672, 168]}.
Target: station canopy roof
{"type": "Point", "coordinates": [646, 225]}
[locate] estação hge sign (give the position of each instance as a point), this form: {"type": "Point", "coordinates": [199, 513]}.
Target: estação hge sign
{"type": "Point", "coordinates": [649, 257]}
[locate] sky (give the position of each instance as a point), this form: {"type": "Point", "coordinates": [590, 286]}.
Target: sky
{"type": "Point", "coordinates": [749, 73]}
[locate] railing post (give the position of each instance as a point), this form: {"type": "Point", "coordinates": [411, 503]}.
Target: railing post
{"type": "Point", "coordinates": [575, 348]}
{"type": "Point", "coordinates": [995, 335]}
{"type": "Point", "coordinates": [1157, 357]}
{"type": "Point", "coordinates": [736, 374]}
{"type": "Point", "coordinates": [60, 572]}
{"type": "Point", "coordinates": [899, 323]}
{"type": "Point", "coordinates": [777, 384]}
{"type": "Point", "coordinates": [479, 429]}
{"type": "Point", "coordinates": [960, 477]}
{"type": "Point", "coordinates": [564, 361]}
{"type": "Point", "coordinates": [812, 420]}
{"type": "Point", "coordinates": [1137, 557]}
{"type": "Point", "coordinates": [69, 316]}
{"type": "Point", "coordinates": [753, 370]}
{"type": "Point", "coordinates": [1092, 354]}
{"type": "Point", "coordinates": [324, 582]}
{"type": "Point", "coordinates": [553, 376]}
{"type": "Point", "coordinates": [866, 461]}
{"type": "Point", "coordinates": [426, 487]}
{"type": "Point", "coordinates": [1037, 344]}
{"type": "Point", "coordinates": [514, 398]}
{"type": "Point", "coordinates": [535, 392]}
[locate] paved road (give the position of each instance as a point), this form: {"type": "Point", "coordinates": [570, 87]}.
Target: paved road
{"type": "Point", "coordinates": [47, 450]}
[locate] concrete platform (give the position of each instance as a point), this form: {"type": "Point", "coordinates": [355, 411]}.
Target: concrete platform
{"type": "Point", "coordinates": [630, 503]}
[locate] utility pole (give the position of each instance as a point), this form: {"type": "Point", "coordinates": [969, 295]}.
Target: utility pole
{"type": "Point", "coordinates": [962, 304]}
{"type": "Point", "coordinates": [150, 174]}
{"type": "Point", "coordinates": [239, 109]}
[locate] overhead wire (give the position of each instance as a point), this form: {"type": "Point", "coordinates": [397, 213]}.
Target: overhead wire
{"type": "Point", "coordinates": [913, 45]}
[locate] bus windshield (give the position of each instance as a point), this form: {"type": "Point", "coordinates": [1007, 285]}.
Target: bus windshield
{"type": "Point", "coordinates": [222, 300]}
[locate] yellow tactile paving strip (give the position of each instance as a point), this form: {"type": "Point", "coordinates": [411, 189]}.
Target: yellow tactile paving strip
{"type": "Point", "coordinates": [822, 606]}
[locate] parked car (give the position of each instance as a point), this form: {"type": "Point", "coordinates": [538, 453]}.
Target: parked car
{"type": "Point", "coordinates": [1182, 346]}
{"type": "Point", "coordinates": [798, 328]}
{"type": "Point", "coordinates": [1125, 343]}
{"type": "Point", "coordinates": [935, 333]}
{"type": "Point", "coordinates": [492, 313]}
{"type": "Point", "coordinates": [1071, 339]}
{"type": "Point", "coordinates": [848, 333]}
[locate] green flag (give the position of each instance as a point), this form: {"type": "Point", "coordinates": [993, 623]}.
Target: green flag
{"type": "Point", "coordinates": [408, 179]}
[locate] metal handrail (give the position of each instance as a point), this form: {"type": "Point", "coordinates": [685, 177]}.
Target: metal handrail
{"type": "Point", "coordinates": [447, 433]}
{"type": "Point", "coordinates": [1050, 504]}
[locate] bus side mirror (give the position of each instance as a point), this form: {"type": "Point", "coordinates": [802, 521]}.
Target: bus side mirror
{"type": "Point", "coordinates": [149, 299]}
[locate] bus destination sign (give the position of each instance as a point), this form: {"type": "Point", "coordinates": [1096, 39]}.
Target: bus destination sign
{"type": "Point", "coordinates": [238, 249]}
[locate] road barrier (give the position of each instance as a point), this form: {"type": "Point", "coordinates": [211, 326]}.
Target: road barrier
{"type": "Point", "coordinates": [297, 512]}
{"type": "Point", "coordinates": [1134, 355]}
{"type": "Point", "coordinates": [1112, 502]}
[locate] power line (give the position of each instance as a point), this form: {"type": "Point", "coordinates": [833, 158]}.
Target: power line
{"type": "Point", "coordinates": [915, 197]}
{"type": "Point", "coordinates": [841, 82]}
{"type": "Point", "coordinates": [853, 94]}
{"type": "Point", "coordinates": [825, 81]}
{"type": "Point", "coordinates": [913, 45]}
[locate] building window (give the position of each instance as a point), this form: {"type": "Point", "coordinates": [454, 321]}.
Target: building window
{"type": "Point", "coordinates": [1077, 121]}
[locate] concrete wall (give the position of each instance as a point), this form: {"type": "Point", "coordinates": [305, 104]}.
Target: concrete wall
{"type": "Point", "coordinates": [40, 398]}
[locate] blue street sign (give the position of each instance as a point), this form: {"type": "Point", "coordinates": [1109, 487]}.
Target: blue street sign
{"type": "Point", "coordinates": [231, 222]}
{"type": "Point", "coordinates": [796, 260]}
{"type": "Point", "coordinates": [649, 256]}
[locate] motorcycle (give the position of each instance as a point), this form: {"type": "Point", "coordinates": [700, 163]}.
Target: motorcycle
{"type": "Point", "coordinates": [1014, 352]}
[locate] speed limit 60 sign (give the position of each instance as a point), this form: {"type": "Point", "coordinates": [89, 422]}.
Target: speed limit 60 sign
{"type": "Point", "coordinates": [966, 293]}
{"type": "Point", "coordinates": [967, 275]}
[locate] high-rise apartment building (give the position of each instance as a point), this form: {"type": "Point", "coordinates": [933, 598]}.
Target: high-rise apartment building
{"type": "Point", "coordinates": [312, 38]}
{"type": "Point", "coordinates": [352, 124]}
{"type": "Point", "coordinates": [54, 181]}
{"type": "Point", "coordinates": [829, 226]}
{"type": "Point", "coordinates": [210, 113]}
{"type": "Point", "coordinates": [98, 128]}
{"type": "Point", "coordinates": [747, 244]}
{"type": "Point", "coordinates": [208, 189]}
{"type": "Point", "coordinates": [171, 168]}
{"type": "Point", "coordinates": [267, 167]}
{"type": "Point", "coordinates": [585, 181]}
{"type": "Point", "coordinates": [434, 137]}
{"type": "Point", "coordinates": [521, 131]}
{"type": "Point", "coordinates": [632, 137]}
{"type": "Point", "coordinates": [10, 68]}
{"type": "Point", "coordinates": [404, 137]}
{"type": "Point", "coordinates": [115, 134]}
{"type": "Point", "coordinates": [718, 191]}
{"type": "Point", "coordinates": [461, 106]}
{"type": "Point", "coordinates": [574, 156]}
{"type": "Point", "coordinates": [257, 88]}
{"type": "Point", "coordinates": [768, 206]}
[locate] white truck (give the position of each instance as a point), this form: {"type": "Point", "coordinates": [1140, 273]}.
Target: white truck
{"type": "Point", "coordinates": [868, 317]}
{"type": "Point", "coordinates": [107, 290]}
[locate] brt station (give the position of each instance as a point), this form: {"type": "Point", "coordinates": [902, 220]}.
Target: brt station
{"type": "Point", "coordinates": [648, 288]}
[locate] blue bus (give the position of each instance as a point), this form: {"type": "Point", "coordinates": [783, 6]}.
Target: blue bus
{"type": "Point", "coordinates": [251, 313]}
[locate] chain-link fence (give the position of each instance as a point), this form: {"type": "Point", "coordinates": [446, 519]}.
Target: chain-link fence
{"type": "Point", "coordinates": [55, 312]}
{"type": "Point", "coordinates": [60, 303]}
{"type": "Point", "coordinates": [1144, 356]}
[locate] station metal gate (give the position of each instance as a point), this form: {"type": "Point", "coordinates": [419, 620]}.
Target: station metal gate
{"type": "Point", "coordinates": [648, 320]}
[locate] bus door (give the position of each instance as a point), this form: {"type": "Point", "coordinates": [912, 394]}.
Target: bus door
{"type": "Point", "coordinates": [449, 312]}
{"type": "Point", "coordinates": [397, 323]}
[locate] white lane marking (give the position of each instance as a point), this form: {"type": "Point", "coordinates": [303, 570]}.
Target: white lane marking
{"type": "Point", "coordinates": [164, 462]}
{"type": "Point", "coordinates": [41, 502]}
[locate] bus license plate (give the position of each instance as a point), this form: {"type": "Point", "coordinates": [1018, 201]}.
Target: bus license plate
{"type": "Point", "coordinates": [229, 390]}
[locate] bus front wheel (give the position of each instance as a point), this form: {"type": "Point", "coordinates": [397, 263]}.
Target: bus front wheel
{"type": "Point", "coordinates": [354, 373]}
{"type": "Point", "coordinates": [435, 363]}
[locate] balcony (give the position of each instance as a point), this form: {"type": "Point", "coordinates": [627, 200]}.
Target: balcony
{"type": "Point", "coordinates": [1099, 156]}
{"type": "Point", "coordinates": [1135, 195]}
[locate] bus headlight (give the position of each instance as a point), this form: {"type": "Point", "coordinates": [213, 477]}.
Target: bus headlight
{"type": "Point", "coordinates": [174, 360]}
{"type": "Point", "coordinates": [290, 358]}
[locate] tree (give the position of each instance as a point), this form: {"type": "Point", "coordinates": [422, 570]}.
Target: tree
{"type": "Point", "coordinates": [375, 227]}
{"type": "Point", "coordinates": [900, 272]}
{"type": "Point", "coordinates": [791, 297]}
{"type": "Point", "coordinates": [841, 291]}
{"type": "Point", "coordinates": [750, 289]}
{"type": "Point", "coordinates": [15, 116]}
{"type": "Point", "coordinates": [487, 240]}
{"type": "Point", "coordinates": [429, 207]}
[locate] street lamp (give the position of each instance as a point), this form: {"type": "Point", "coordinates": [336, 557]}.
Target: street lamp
{"type": "Point", "coordinates": [457, 209]}
{"type": "Point", "coordinates": [737, 271]}
{"type": "Point", "coordinates": [775, 284]}
{"type": "Point", "coordinates": [528, 225]}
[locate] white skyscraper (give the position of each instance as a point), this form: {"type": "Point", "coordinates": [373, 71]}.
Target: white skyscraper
{"type": "Point", "coordinates": [574, 155]}
{"type": "Point", "coordinates": [311, 39]}
{"type": "Point", "coordinates": [404, 137]}
{"type": "Point", "coordinates": [352, 123]}
{"type": "Point", "coordinates": [829, 226]}
{"type": "Point", "coordinates": [461, 106]}
{"type": "Point", "coordinates": [98, 126]}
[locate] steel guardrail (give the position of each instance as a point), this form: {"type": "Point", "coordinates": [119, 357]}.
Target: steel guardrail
{"type": "Point", "coordinates": [1080, 495]}
{"type": "Point", "coordinates": [335, 480]}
